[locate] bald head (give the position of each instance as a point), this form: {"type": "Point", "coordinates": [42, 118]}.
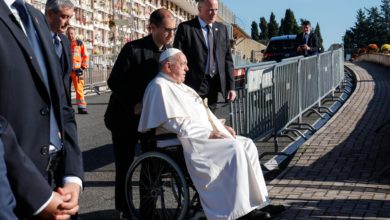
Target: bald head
{"type": "Point", "coordinates": [159, 15]}
{"type": "Point", "coordinates": [162, 26]}
{"type": "Point", "coordinates": [208, 10]}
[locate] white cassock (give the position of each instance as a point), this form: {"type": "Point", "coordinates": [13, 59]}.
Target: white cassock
{"type": "Point", "coordinates": [226, 172]}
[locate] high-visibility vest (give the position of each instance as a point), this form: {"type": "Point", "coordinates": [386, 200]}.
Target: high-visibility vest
{"type": "Point", "coordinates": [79, 55]}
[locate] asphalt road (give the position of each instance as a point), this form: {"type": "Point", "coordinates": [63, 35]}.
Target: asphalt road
{"type": "Point", "coordinates": [97, 199]}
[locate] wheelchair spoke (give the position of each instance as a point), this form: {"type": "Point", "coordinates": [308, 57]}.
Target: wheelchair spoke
{"type": "Point", "coordinates": [156, 188]}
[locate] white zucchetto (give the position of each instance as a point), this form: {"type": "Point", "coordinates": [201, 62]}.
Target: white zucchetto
{"type": "Point", "coordinates": [168, 53]}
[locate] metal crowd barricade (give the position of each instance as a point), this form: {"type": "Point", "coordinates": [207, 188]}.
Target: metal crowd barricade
{"type": "Point", "coordinates": [325, 81]}
{"type": "Point", "coordinates": [97, 75]}
{"type": "Point", "coordinates": [276, 95]}
{"type": "Point", "coordinates": [338, 67]}
{"type": "Point", "coordinates": [253, 100]}
{"type": "Point", "coordinates": [286, 94]}
{"type": "Point", "coordinates": [259, 101]}
{"type": "Point", "coordinates": [308, 84]}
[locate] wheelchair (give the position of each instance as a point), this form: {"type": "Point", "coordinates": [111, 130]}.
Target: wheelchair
{"type": "Point", "coordinates": [158, 185]}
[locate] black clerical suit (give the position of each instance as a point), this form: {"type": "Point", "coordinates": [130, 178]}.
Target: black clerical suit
{"type": "Point", "coordinates": [25, 102]}
{"type": "Point", "coordinates": [136, 66]}
{"type": "Point", "coordinates": [190, 39]}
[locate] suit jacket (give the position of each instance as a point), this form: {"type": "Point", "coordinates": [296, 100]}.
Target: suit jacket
{"type": "Point", "coordinates": [20, 170]}
{"type": "Point", "coordinates": [312, 42]}
{"type": "Point", "coordinates": [189, 38]}
{"type": "Point", "coordinates": [25, 101]}
{"type": "Point", "coordinates": [66, 64]}
{"type": "Point", "coordinates": [7, 200]}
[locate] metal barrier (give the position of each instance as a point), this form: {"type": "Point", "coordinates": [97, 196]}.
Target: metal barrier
{"type": "Point", "coordinates": [286, 93]}
{"type": "Point", "coordinates": [254, 101]}
{"type": "Point", "coordinates": [97, 75]}
{"type": "Point", "coordinates": [325, 77]}
{"type": "Point", "coordinates": [276, 95]}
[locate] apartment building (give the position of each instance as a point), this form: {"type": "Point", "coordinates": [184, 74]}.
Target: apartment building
{"type": "Point", "coordinates": [106, 25]}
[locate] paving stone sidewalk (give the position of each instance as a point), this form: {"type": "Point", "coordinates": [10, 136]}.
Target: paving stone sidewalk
{"type": "Point", "coordinates": [337, 173]}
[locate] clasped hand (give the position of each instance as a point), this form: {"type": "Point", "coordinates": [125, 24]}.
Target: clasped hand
{"type": "Point", "coordinates": [63, 204]}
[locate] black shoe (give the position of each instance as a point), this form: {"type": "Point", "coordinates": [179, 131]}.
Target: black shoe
{"type": "Point", "coordinates": [82, 111]}
{"type": "Point", "coordinates": [274, 209]}
{"type": "Point", "coordinates": [256, 215]}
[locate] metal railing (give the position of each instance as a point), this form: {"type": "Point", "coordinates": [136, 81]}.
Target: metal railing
{"type": "Point", "coordinates": [277, 95]}
{"type": "Point", "coordinates": [96, 76]}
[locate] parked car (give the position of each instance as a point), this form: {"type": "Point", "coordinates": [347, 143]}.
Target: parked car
{"type": "Point", "coordinates": [280, 47]}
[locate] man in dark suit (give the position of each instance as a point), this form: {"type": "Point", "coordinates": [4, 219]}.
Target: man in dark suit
{"type": "Point", "coordinates": [20, 170]}
{"type": "Point", "coordinates": [7, 200]}
{"type": "Point", "coordinates": [58, 15]}
{"type": "Point", "coordinates": [307, 41]}
{"type": "Point", "coordinates": [32, 98]}
{"type": "Point", "coordinates": [206, 45]}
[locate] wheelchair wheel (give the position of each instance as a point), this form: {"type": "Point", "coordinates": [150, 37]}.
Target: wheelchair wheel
{"type": "Point", "coordinates": [156, 188]}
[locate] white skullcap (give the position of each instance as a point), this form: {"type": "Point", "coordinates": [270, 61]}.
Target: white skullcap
{"type": "Point", "coordinates": [168, 53]}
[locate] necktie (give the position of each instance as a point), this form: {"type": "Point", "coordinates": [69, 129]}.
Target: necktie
{"type": "Point", "coordinates": [306, 38]}
{"type": "Point", "coordinates": [36, 46]}
{"type": "Point", "coordinates": [211, 67]}
{"type": "Point", "coordinates": [57, 45]}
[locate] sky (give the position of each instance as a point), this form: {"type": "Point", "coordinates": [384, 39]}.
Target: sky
{"type": "Point", "coordinates": [333, 16]}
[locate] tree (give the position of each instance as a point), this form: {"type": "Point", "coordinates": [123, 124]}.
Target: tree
{"type": "Point", "coordinates": [360, 30]}
{"type": "Point", "coordinates": [385, 13]}
{"type": "Point", "coordinates": [348, 40]}
{"type": "Point", "coordinates": [255, 31]}
{"type": "Point", "coordinates": [280, 31]}
{"type": "Point", "coordinates": [289, 24]}
{"type": "Point", "coordinates": [317, 31]}
{"type": "Point", "coordinates": [376, 32]}
{"type": "Point", "coordinates": [264, 29]}
{"type": "Point", "coordinates": [370, 28]}
{"type": "Point", "coordinates": [273, 26]}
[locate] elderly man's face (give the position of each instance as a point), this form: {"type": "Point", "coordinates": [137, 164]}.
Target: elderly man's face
{"type": "Point", "coordinates": [178, 68]}
{"type": "Point", "coordinates": [208, 11]}
{"type": "Point", "coordinates": [60, 21]}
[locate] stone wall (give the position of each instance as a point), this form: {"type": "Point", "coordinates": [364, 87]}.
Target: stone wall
{"type": "Point", "coordinates": [246, 47]}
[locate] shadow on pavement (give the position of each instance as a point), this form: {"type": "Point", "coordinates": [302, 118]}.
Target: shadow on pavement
{"type": "Point", "coordinates": [103, 215]}
{"type": "Point", "coordinates": [98, 157]}
{"type": "Point", "coordinates": [341, 208]}
{"type": "Point", "coordinates": [99, 183]}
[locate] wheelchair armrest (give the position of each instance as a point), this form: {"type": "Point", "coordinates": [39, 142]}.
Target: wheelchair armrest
{"type": "Point", "coordinates": [166, 140]}
{"type": "Point", "coordinates": [159, 137]}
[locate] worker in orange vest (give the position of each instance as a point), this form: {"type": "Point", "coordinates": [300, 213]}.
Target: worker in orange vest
{"type": "Point", "coordinates": [80, 63]}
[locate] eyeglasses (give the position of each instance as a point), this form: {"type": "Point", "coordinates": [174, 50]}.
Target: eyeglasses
{"type": "Point", "coordinates": [170, 30]}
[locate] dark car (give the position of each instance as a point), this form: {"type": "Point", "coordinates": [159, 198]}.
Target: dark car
{"type": "Point", "coordinates": [280, 47]}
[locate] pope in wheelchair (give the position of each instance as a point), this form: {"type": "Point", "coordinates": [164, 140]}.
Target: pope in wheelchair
{"type": "Point", "coordinates": [223, 167]}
